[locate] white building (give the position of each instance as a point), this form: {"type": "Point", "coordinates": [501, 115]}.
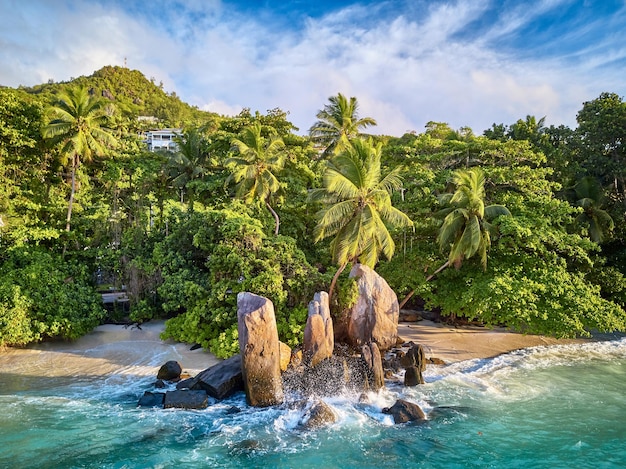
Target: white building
{"type": "Point", "coordinates": [162, 139]}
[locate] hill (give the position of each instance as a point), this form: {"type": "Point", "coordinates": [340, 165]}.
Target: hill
{"type": "Point", "coordinates": [134, 95]}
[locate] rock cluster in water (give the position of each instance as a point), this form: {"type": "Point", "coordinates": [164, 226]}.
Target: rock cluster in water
{"type": "Point", "coordinates": [266, 369]}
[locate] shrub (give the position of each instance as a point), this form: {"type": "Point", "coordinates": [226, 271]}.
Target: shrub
{"type": "Point", "coordinates": [214, 255]}
{"type": "Point", "coordinates": [42, 296]}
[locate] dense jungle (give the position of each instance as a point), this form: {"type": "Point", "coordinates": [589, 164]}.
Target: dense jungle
{"type": "Point", "coordinates": [519, 225]}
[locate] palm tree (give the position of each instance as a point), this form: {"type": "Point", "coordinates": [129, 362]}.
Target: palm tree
{"type": "Point", "coordinates": [78, 126]}
{"type": "Point", "coordinates": [588, 195]}
{"type": "Point", "coordinates": [255, 169]}
{"type": "Point", "coordinates": [188, 163]}
{"type": "Point", "coordinates": [357, 207]}
{"type": "Point", "coordinates": [466, 230]}
{"type": "Point", "coordinates": [529, 129]}
{"type": "Point", "coordinates": [338, 123]}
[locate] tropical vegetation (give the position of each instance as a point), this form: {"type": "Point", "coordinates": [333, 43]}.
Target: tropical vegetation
{"type": "Point", "coordinates": [520, 226]}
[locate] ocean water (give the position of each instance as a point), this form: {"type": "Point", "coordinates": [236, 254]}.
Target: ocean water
{"type": "Point", "coordinates": [545, 407]}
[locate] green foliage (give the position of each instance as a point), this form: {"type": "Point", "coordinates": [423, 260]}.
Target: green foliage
{"type": "Point", "coordinates": [612, 283]}
{"type": "Point", "coordinates": [338, 123]}
{"type": "Point", "coordinates": [189, 262]}
{"type": "Point", "coordinates": [15, 325]}
{"type": "Point", "coordinates": [42, 297]}
{"type": "Point", "coordinates": [602, 132]}
{"type": "Point", "coordinates": [255, 167]}
{"type": "Point", "coordinates": [291, 326]}
{"type": "Point", "coordinates": [538, 280]}
{"type": "Point", "coordinates": [189, 163]}
{"type": "Point", "coordinates": [134, 95]}
{"type": "Point", "coordinates": [215, 255]}
{"type": "Point", "coordinates": [25, 168]}
{"type": "Point", "coordinates": [542, 297]}
{"type": "Point", "coordinates": [357, 209]}
{"type": "Point", "coordinates": [466, 230]}
{"type": "Point", "coordinates": [77, 128]}
{"type": "Point", "coordinates": [347, 293]}
{"type": "Point", "coordinates": [596, 221]}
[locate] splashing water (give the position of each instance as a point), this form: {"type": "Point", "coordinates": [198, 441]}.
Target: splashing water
{"type": "Point", "coordinates": [559, 406]}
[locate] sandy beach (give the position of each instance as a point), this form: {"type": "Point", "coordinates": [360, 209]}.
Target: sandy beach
{"type": "Point", "coordinates": [108, 350]}
{"type": "Point", "coordinates": [119, 350]}
{"type": "Point", "coordinates": [453, 344]}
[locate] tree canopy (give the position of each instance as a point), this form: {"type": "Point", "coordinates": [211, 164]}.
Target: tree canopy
{"type": "Point", "coordinates": [171, 230]}
{"type": "Point", "coordinates": [338, 123]}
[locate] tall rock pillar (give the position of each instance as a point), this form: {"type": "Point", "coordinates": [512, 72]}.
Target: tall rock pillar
{"type": "Point", "coordinates": [260, 350]}
{"type": "Point", "coordinates": [319, 338]}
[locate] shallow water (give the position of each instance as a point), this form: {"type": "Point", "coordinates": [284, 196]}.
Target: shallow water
{"type": "Point", "coordinates": [561, 406]}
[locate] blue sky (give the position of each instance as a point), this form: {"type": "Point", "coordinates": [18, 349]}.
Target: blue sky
{"type": "Point", "coordinates": [465, 62]}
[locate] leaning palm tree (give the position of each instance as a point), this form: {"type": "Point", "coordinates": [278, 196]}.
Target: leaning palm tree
{"type": "Point", "coordinates": [357, 207]}
{"type": "Point", "coordinates": [254, 169]}
{"type": "Point", "coordinates": [466, 230]}
{"type": "Point", "coordinates": [338, 123]}
{"type": "Point", "coordinates": [78, 126]}
{"type": "Point", "coordinates": [589, 196]}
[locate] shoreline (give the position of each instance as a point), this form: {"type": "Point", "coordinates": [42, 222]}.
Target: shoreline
{"type": "Point", "coordinates": [453, 344]}
{"type": "Point", "coordinates": [108, 350]}
{"type": "Point", "coordinates": [116, 349]}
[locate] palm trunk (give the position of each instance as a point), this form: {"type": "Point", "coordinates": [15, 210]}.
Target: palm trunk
{"type": "Point", "coordinates": [190, 201]}
{"type": "Point", "coordinates": [430, 277]}
{"type": "Point", "coordinates": [72, 192]}
{"type": "Point", "coordinates": [276, 219]}
{"type": "Point", "coordinates": [334, 281]}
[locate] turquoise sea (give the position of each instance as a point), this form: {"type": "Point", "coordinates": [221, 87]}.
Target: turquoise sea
{"type": "Point", "coordinates": [547, 407]}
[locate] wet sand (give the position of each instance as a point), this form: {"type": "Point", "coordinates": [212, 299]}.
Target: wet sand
{"type": "Point", "coordinates": [452, 344]}
{"type": "Point", "coordinates": [108, 350]}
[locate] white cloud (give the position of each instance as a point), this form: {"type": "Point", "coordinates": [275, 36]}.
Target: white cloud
{"type": "Point", "coordinates": [225, 109]}
{"type": "Point", "coordinates": [406, 69]}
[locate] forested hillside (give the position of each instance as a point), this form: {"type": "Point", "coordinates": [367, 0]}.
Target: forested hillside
{"type": "Point", "coordinates": [519, 225]}
{"type": "Point", "coordinates": [132, 96]}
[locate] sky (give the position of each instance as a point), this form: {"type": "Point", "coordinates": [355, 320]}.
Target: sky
{"type": "Point", "coordinates": [469, 63]}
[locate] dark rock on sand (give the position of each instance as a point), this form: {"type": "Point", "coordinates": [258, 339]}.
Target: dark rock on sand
{"type": "Point", "coordinates": [170, 371]}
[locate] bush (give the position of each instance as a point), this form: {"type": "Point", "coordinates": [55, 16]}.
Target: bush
{"type": "Point", "coordinates": [41, 296]}
{"type": "Point", "coordinates": [212, 256]}
{"type": "Point", "coordinates": [534, 297]}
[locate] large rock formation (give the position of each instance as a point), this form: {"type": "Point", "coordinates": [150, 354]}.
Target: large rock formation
{"type": "Point", "coordinates": [319, 338]}
{"type": "Point", "coordinates": [374, 317]}
{"type": "Point", "coordinates": [260, 350]}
